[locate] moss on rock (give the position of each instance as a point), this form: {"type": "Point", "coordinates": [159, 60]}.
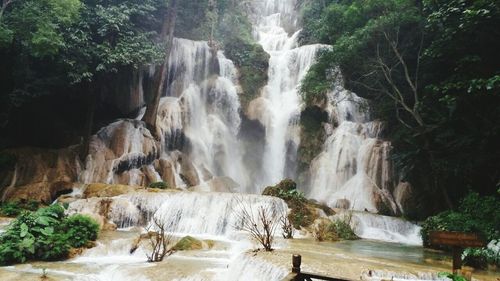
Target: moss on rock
{"type": "Point", "coordinates": [109, 190]}
{"type": "Point", "coordinates": [327, 230]}
{"type": "Point", "coordinates": [303, 212]}
{"type": "Point", "coordinates": [313, 136]}
{"type": "Point", "coordinates": [285, 186]}
{"type": "Point", "coordinates": [252, 62]}
{"type": "Point", "coordinates": [188, 243]}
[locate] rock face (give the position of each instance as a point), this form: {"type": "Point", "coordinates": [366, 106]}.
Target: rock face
{"type": "Point", "coordinates": [40, 175]}
{"type": "Point", "coordinates": [108, 190]}
{"type": "Point", "coordinates": [118, 151]}
{"type": "Point", "coordinates": [125, 152]}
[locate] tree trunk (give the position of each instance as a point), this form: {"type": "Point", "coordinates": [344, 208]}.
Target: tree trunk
{"type": "Point", "coordinates": [160, 76]}
{"type": "Point", "coordinates": [89, 122]}
{"type": "Point", "coordinates": [434, 176]}
{"type": "Point", "coordinates": [5, 4]}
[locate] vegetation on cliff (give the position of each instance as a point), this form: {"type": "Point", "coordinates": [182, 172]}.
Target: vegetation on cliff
{"type": "Point", "coordinates": [303, 212]}
{"type": "Point", "coordinates": [224, 23]}
{"type": "Point", "coordinates": [431, 70]}
{"type": "Point", "coordinates": [73, 52]}
{"type": "Point", "coordinates": [47, 234]}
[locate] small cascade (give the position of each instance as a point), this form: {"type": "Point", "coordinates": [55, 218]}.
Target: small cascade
{"type": "Point", "coordinates": [354, 165]}
{"type": "Point", "coordinates": [245, 268]}
{"type": "Point", "coordinates": [384, 228]}
{"type": "Point", "coordinates": [279, 106]}
{"type": "Point", "coordinates": [194, 213]}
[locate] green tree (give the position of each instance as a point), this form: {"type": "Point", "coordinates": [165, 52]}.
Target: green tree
{"type": "Point", "coordinates": [428, 66]}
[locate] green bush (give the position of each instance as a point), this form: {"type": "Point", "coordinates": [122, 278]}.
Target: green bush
{"type": "Point", "coordinates": [46, 234]}
{"type": "Point", "coordinates": [159, 184]}
{"type": "Point", "coordinates": [475, 214]}
{"type": "Point", "coordinates": [14, 208]}
{"type": "Point", "coordinates": [453, 277]}
{"type": "Point", "coordinates": [80, 230]}
{"type": "Point", "coordinates": [343, 230]}
{"type": "Point", "coordinates": [478, 214]}
{"type": "Point", "coordinates": [10, 209]}
{"type": "Point", "coordinates": [480, 258]}
{"type": "Point", "coordinates": [301, 214]}
{"type": "Point", "coordinates": [188, 243]}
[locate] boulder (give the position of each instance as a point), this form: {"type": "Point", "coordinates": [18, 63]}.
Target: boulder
{"type": "Point", "coordinates": [44, 192]}
{"type": "Point", "coordinates": [109, 190]}
{"type": "Point", "coordinates": [188, 243]}
{"type": "Point", "coordinates": [40, 174]}
{"type": "Point", "coordinates": [166, 169]}
{"type": "Point", "coordinates": [188, 172]}
{"type": "Point", "coordinates": [285, 185]}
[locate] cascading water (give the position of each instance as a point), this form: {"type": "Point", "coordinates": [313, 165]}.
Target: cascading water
{"type": "Point", "coordinates": [211, 108]}
{"type": "Point", "coordinates": [354, 170]}
{"type": "Point", "coordinates": [195, 213]}
{"type": "Point", "coordinates": [200, 116]}
{"type": "Point", "coordinates": [279, 106]}
{"type": "Point", "coordinates": [384, 228]}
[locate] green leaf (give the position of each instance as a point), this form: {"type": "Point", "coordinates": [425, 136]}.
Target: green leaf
{"type": "Point", "coordinates": [28, 244]}
{"type": "Point", "coordinates": [24, 230]}
{"type": "Point", "coordinates": [47, 231]}
{"type": "Point", "coordinates": [43, 220]}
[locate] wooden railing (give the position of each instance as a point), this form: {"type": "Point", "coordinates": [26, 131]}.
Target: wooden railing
{"type": "Point", "coordinates": [298, 275]}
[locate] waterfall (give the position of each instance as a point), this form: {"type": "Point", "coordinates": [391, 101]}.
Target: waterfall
{"type": "Point", "coordinates": [199, 117]}
{"type": "Point", "coordinates": [199, 124]}
{"type": "Point", "coordinates": [280, 104]}
{"type": "Point", "coordinates": [193, 213]}
{"type": "Point", "coordinates": [354, 165]}
{"type": "Point", "coordinates": [211, 107]}
{"type": "Point", "coordinates": [383, 228]}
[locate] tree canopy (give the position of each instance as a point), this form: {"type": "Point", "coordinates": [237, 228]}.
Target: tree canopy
{"type": "Point", "coordinates": [432, 72]}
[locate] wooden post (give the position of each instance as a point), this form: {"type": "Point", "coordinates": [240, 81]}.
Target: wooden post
{"type": "Point", "coordinates": [296, 261]}
{"type": "Point", "coordinates": [457, 260]}
{"type": "Point", "coordinates": [458, 241]}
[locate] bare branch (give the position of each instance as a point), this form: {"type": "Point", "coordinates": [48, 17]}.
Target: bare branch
{"type": "Point", "coordinates": [159, 240]}
{"type": "Point", "coordinates": [286, 227]}
{"type": "Point", "coordinates": [261, 226]}
{"type": "Point", "coordinates": [399, 118]}
{"type": "Point", "coordinates": [419, 56]}
{"type": "Point", "coordinates": [405, 67]}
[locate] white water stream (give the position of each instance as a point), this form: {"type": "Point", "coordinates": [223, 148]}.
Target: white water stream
{"type": "Point", "coordinates": [279, 107]}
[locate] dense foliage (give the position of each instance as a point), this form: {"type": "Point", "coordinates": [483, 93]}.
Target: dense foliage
{"type": "Point", "coordinates": [475, 213]}
{"type": "Point", "coordinates": [70, 51]}
{"type": "Point", "coordinates": [80, 57]}
{"type": "Point", "coordinates": [432, 72]}
{"type": "Point", "coordinates": [14, 208]}
{"type": "Point", "coordinates": [343, 230]}
{"type": "Point", "coordinates": [46, 234]}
